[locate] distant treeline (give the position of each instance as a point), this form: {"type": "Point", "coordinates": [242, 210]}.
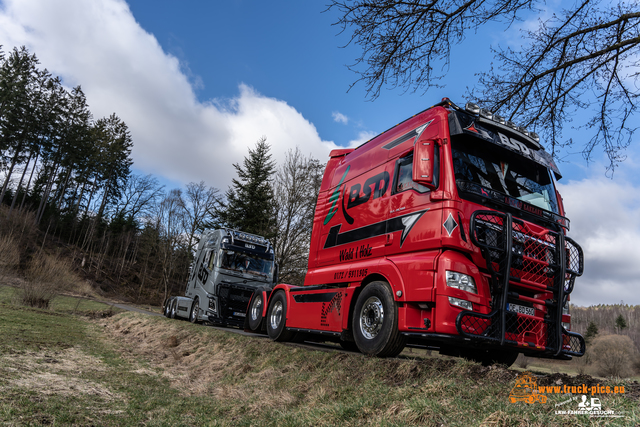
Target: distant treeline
{"type": "Point", "coordinates": [606, 320]}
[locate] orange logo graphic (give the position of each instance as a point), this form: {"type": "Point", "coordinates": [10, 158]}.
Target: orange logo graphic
{"type": "Point", "coordinates": [526, 390]}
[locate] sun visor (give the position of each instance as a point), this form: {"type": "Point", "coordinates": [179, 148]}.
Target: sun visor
{"type": "Point", "coordinates": [503, 137]}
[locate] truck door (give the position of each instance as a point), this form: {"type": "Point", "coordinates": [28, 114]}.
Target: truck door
{"type": "Point", "coordinates": [413, 221]}
{"type": "Point", "coordinates": [357, 230]}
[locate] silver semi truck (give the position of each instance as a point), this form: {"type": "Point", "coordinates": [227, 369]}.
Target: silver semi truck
{"type": "Point", "coordinates": [228, 268]}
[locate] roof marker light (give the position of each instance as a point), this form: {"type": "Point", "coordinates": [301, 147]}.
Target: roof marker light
{"type": "Point", "coordinates": [535, 137]}
{"type": "Point", "coordinates": [512, 125]}
{"type": "Point", "coordinates": [499, 119]}
{"type": "Point", "coordinates": [486, 114]}
{"type": "Point", "coordinates": [472, 108]}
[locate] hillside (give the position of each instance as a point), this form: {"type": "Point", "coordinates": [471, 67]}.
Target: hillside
{"type": "Point", "coordinates": [58, 368]}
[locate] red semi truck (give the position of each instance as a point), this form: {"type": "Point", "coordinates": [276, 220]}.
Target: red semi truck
{"type": "Point", "coordinates": [446, 231]}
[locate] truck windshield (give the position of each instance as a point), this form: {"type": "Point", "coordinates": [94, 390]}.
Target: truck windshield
{"type": "Point", "coordinates": [501, 170]}
{"type": "Point", "coordinates": [244, 262]}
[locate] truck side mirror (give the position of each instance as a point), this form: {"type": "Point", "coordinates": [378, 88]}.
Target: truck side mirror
{"type": "Point", "coordinates": [423, 163]}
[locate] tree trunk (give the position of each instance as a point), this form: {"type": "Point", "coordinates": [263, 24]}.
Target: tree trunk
{"type": "Point", "coordinates": [45, 196]}
{"type": "Point", "coordinates": [10, 172]}
{"type": "Point", "coordinates": [26, 190]}
{"type": "Point", "coordinates": [15, 196]}
{"type": "Point", "coordinates": [63, 190]}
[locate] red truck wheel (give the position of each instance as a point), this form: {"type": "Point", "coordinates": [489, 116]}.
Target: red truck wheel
{"type": "Point", "coordinates": [277, 318]}
{"type": "Point", "coordinates": [375, 322]}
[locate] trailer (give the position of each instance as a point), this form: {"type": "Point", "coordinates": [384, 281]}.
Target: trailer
{"type": "Point", "coordinates": [229, 266]}
{"type": "Point", "coordinates": [444, 231]}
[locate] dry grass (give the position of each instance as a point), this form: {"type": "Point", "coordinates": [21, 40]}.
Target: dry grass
{"type": "Point", "coordinates": [47, 276]}
{"type": "Point", "coordinates": [133, 369]}
{"type": "Point", "coordinates": [21, 226]}
{"type": "Point", "coordinates": [9, 256]}
{"type": "Point", "coordinates": [54, 373]}
{"type": "Point", "coordinates": [232, 369]}
{"type": "Point", "coordinates": [190, 364]}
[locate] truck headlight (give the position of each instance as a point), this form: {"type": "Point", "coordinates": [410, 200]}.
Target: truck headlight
{"type": "Point", "coordinates": [461, 281]}
{"type": "Point", "coordinates": [461, 303]}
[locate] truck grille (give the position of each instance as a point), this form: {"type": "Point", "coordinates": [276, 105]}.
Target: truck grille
{"type": "Point", "coordinates": [233, 299]}
{"type": "Point", "coordinates": [524, 266]}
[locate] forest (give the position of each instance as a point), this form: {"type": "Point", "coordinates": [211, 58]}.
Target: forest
{"type": "Point", "coordinates": [68, 189]}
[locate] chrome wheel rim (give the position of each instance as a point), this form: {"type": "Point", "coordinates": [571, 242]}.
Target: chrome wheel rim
{"type": "Point", "coordinates": [276, 314]}
{"type": "Point", "coordinates": [371, 317]}
{"type": "Point", "coordinates": [194, 312]}
{"type": "Point", "coordinates": [256, 308]}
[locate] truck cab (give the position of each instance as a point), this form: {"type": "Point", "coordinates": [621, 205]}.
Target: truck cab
{"type": "Point", "coordinates": [444, 231]}
{"type": "Point", "coordinates": [229, 266]}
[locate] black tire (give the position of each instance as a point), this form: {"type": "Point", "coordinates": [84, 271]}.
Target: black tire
{"type": "Point", "coordinates": [167, 308]}
{"type": "Point", "coordinates": [505, 356]}
{"type": "Point", "coordinates": [375, 322]}
{"type": "Point", "coordinates": [195, 308]}
{"type": "Point", "coordinates": [277, 318]}
{"type": "Point", "coordinates": [255, 311]}
{"type": "Point", "coordinates": [174, 307]}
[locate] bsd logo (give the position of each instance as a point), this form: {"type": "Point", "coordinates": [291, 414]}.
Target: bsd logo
{"type": "Point", "coordinates": [203, 274]}
{"type": "Point", "coordinates": [358, 194]}
{"type": "Point", "coordinates": [376, 185]}
{"type": "Point", "coordinates": [514, 144]}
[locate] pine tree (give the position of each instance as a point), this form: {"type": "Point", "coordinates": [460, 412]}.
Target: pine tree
{"type": "Point", "coordinates": [592, 331]}
{"type": "Point", "coordinates": [250, 202]}
{"type": "Point", "coordinates": [17, 75]}
{"type": "Point", "coordinates": [115, 159]}
{"type": "Point", "coordinates": [620, 323]}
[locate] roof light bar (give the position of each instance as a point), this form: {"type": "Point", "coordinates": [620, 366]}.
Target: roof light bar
{"type": "Point", "coordinates": [475, 109]}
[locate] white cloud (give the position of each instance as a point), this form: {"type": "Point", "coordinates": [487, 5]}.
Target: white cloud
{"type": "Point", "coordinates": [363, 137]}
{"type": "Point", "coordinates": [605, 221]}
{"type": "Point", "coordinates": [123, 69]}
{"type": "Point", "coordinates": [339, 117]}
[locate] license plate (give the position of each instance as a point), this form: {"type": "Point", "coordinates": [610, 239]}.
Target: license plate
{"type": "Point", "coordinates": [515, 308]}
{"type": "Point", "coordinates": [237, 313]}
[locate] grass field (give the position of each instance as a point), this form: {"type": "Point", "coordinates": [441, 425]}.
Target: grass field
{"type": "Point", "coordinates": [60, 368]}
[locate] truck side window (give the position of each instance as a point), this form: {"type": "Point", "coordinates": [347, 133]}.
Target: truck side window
{"type": "Point", "coordinates": [403, 178]}
{"type": "Point", "coordinates": [211, 262]}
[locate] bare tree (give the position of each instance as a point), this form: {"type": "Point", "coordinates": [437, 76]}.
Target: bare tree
{"type": "Point", "coordinates": [139, 196]}
{"type": "Point", "coordinates": [579, 64]}
{"type": "Point", "coordinates": [580, 60]}
{"type": "Point", "coordinates": [296, 190]}
{"type": "Point", "coordinates": [407, 43]}
{"type": "Point", "coordinates": [168, 221]}
{"type": "Point", "coordinates": [199, 203]}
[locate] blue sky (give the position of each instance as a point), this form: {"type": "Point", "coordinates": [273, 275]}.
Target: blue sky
{"type": "Point", "coordinates": [200, 82]}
